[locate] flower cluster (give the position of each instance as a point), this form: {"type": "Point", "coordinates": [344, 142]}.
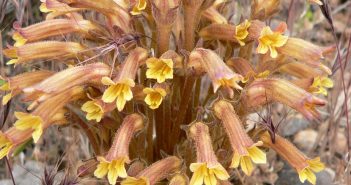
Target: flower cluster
{"type": "Point", "coordinates": [138, 71]}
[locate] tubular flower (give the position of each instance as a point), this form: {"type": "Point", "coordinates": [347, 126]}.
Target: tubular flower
{"type": "Point", "coordinates": [154, 96]}
{"type": "Point", "coordinates": [156, 172]}
{"type": "Point", "coordinates": [304, 166]}
{"type": "Point", "coordinates": [120, 87]}
{"type": "Point", "coordinates": [70, 77]}
{"type": "Point", "coordinates": [139, 6]}
{"type": "Point", "coordinates": [205, 60]}
{"type": "Point", "coordinates": [320, 84]}
{"type": "Point", "coordinates": [241, 32]}
{"type": "Point", "coordinates": [43, 50]}
{"type": "Point", "coordinates": [207, 169]}
{"type": "Point", "coordinates": [17, 83]}
{"type": "Point", "coordinates": [214, 16]}
{"type": "Point", "coordinates": [27, 121]}
{"type": "Point", "coordinates": [113, 164]}
{"type": "Point", "coordinates": [49, 28]}
{"type": "Point", "coordinates": [270, 40]}
{"type": "Point", "coordinates": [96, 109]}
{"type": "Point", "coordinates": [228, 32]}
{"type": "Point", "coordinates": [303, 51]}
{"type": "Point", "coordinates": [245, 150]}
{"type": "Point", "coordinates": [271, 89]}
{"type": "Point", "coordinates": [159, 69]}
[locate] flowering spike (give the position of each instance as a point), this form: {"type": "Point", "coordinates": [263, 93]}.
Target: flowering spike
{"type": "Point", "coordinates": [271, 89]}
{"type": "Point", "coordinates": [245, 150]}
{"type": "Point", "coordinates": [303, 165]}
{"type": "Point", "coordinates": [43, 50]}
{"type": "Point", "coordinates": [120, 87]}
{"type": "Point", "coordinates": [205, 60]}
{"type": "Point", "coordinates": [207, 169]}
{"type": "Point", "coordinates": [156, 172]}
{"type": "Point", "coordinates": [113, 164]}
{"type": "Point", "coordinates": [270, 40]}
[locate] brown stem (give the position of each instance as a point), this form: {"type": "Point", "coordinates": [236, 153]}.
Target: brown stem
{"type": "Point", "coordinates": [163, 39]}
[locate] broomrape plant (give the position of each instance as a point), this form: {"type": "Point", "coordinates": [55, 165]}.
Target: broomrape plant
{"type": "Point", "coordinates": [141, 70]}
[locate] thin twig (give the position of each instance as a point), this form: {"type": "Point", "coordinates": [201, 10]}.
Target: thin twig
{"type": "Point", "coordinates": [10, 170]}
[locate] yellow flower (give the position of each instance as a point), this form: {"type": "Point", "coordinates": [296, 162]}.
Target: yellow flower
{"type": "Point", "coordinates": [270, 40]}
{"type": "Point", "coordinates": [140, 5]}
{"type": "Point", "coordinates": [314, 165]}
{"type": "Point", "coordinates": [320, 84]}
{"type": "Point", "coordinates": [113, 169]}
{"type": "Point", "coordinates": [160, 69]}
{"type": "Point", "coordinates": [94, 110]}
{"type": "Point", "coordinates": [7, 97]}
{"type": "Point", "coordinates": [5, 145]}
{"type": "Point", "coordinates": [19, 39]}
{"type": "Point", "coordinates": [206, 174]}
{"type": "Point", "coordinates": [27, 121]}
{"type": "Point", "coordinates": [255, 76]}
{"type": "Point", "coordinates": [118, 90]}
{"type": "Point", "coordinates": [241, 32]}
{"type": "Point", "coordinates": [154, 96]}
{"type": "Point", "coordinates": [254, 154]}
{"type": "Point", "coordinates": [135, 181]}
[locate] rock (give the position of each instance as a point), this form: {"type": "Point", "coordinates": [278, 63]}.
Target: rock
{"type": "Point", "coordinates": [305, 139]}
{"type": "Point", "coordinates": [291, 127]}
{"type": "Point", "coordinates": [341, 143]}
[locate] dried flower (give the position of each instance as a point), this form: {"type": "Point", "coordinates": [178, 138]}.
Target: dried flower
{"type": "Point", "coordinates": [320, 84]}
{"type": "Point", "coordinates": [206, 169]}
{"type": "Point", "coordinates": [304, 166]}
{"type": "Point", "coordinates": [270, 40]}
{"type": "Point", "coordinates": [155, 173]}
{"type": "Point", "coordinates": [241, 32]}
{"type": "Point", "coordinates": [264, 9]}
{"type": "Point", "coordinates": [245, 150]}
{"type": "Point", "coordinates": [159, 69]}
{"type": "Point", "coordinates": [205, 60]}
{"type": "Point", "coordinates": [55, 8]}
{"type": "Point", "coordinates": [113, 164]}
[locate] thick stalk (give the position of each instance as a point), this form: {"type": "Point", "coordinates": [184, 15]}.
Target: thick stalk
{"type": "Point", "coordinates": [163, 39]}
{"type": "Point", "coordinates": [191, 20]}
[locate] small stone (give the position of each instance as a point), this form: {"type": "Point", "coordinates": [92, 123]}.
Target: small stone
{"type": "Point", "coordinates": [291, 127]}
{"type": "Point", "coordinates": [341, 143]}
{"type": "Point", "coordinates": [305, 139]}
